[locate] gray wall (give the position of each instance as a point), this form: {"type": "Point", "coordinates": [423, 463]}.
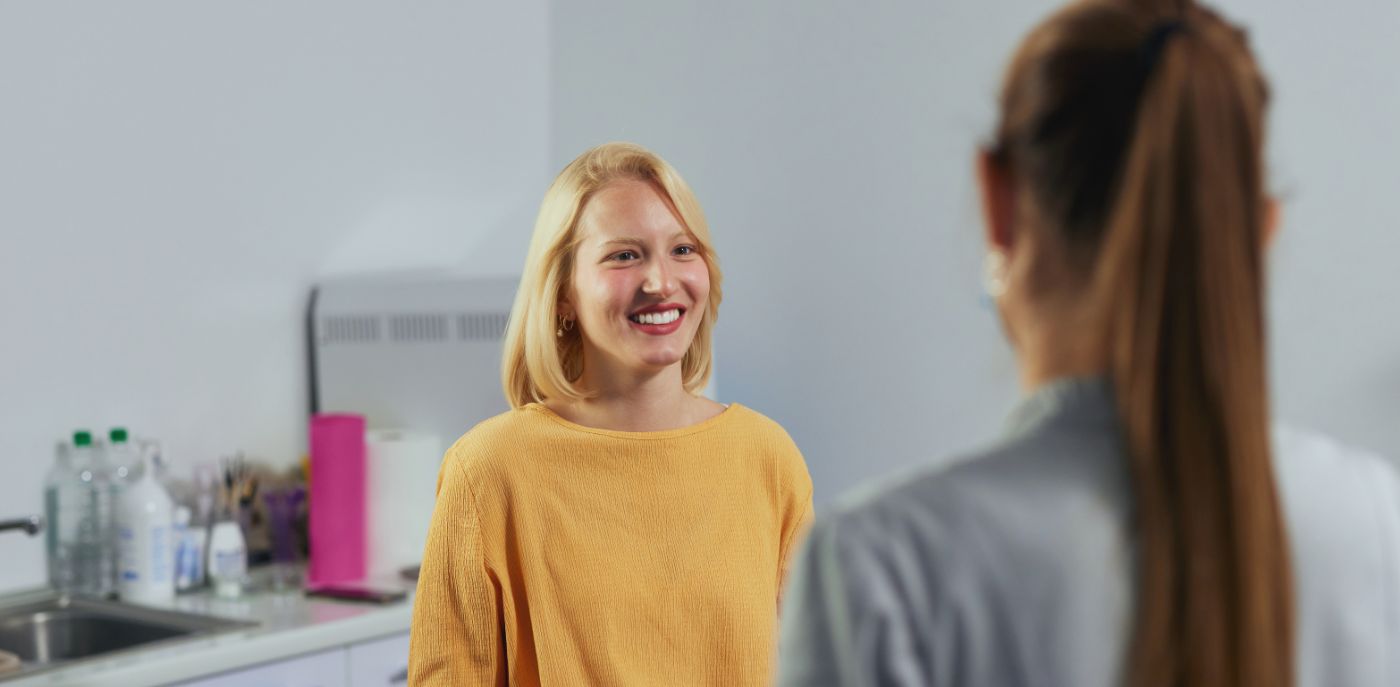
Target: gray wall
{"type": "Point", "coordinates": [831, 144]}
{"type": "Point", "coordinates": [174, 176]}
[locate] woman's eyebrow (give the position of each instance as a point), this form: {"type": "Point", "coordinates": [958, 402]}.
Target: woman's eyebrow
{"type": "Point", "coordinates": [632, 241]}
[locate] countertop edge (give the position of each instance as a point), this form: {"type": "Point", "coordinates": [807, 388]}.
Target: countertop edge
{"type": "Point", "coordinates": [211, 656]}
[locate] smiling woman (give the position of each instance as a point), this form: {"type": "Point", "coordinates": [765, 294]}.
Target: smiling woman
{"type": "Point", "coordinates": [615, 527]}
{"type": "Point", "coordinates": [618, 228]}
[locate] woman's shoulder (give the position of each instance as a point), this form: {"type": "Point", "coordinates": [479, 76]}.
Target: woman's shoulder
{"type": "Point", "coordinates": [1299, 448]}
{"type": "Point", "coordinates": [1323, 481]}
{"type": "Point", "coordinates": [1334, 494]}
{"type": "Point", "coordinates": [496, 439]}
{"type": "Point", "coordinates": [766, 434]}
{"type": "Point", "coordinates": [759, 426]}
{"type": "Point", "coordinates": [1341, 506]}
{"type": "Point", "coordinates": [999, 502]}
{"type": "Point", "coordinates": [762, 436]}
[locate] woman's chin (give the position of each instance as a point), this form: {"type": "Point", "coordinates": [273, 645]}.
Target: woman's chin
{"type": "Point", "coordinates": [659, 360]}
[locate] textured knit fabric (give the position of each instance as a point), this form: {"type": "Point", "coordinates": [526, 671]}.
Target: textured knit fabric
{"type": "Point", "coordinates": [565, 555]}
{"type": "Point", "coordinates": [1017, 567]}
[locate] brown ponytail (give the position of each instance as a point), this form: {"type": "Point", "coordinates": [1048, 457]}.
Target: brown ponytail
{"type": "Point", "coordinates": [1157, 175]}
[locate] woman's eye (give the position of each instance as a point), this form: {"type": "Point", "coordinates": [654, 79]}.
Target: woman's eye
{"type": "Point", "coordinates": [625, 255]}
{"type": "Point", "coordinates": [685, 250]}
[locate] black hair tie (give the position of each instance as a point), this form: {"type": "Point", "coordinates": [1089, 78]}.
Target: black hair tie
{"type": "Point", "coordinates": [1156, 40]}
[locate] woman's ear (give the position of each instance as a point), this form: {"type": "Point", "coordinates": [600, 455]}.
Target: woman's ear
{"type": "Point", "coordinates": [1273, 216]}
{"type": "Point", "coordinates": [998, 195]}
{"type": "Point", "coordinates": [565, 307]}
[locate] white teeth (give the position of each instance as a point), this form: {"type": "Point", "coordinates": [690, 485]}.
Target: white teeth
{"type": "Point", "coordinates": [665, 317]}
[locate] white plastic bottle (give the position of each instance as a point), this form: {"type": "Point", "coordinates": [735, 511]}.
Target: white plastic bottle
{"type": "Point", "coordinates": [228, 557]}
{"type": "Point", "coordinates": [145, 540]}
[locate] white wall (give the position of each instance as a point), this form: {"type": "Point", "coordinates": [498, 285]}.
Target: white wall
{"type": "Point", "coordinates": [174, 176]}
{"type": "Point", "coordinates": [831, 144]}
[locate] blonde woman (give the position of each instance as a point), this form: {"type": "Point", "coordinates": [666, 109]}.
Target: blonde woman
{"type": "Point", "coordinates": [615, 527]}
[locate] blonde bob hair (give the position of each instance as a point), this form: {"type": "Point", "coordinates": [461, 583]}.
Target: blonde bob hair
{"type": "Point", "coordinates": [539, 364]}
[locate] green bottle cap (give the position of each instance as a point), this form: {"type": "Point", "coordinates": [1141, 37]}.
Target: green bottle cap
{"type": "Point", "coordinates": [117, 435]}
{"type": "Point", "coordinates": [82, 437]}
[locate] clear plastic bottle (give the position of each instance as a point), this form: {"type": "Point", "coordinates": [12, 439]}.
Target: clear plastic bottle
{"type": "Point", "coordinates": [123, 458]}
{"type": "Point", "coordinates": [64, 498]}
{"type": "Point", "coordinates": [94, 551]}
{"type": "Point", "coordinates": [202, 521]}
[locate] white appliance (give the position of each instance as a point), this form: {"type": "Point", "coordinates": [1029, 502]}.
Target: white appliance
{"type": "Point", "coordinates": [415, 351]}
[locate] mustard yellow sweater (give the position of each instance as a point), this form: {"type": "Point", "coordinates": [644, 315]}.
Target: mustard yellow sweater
{"type": "Point", "coordinates": [566, 555]}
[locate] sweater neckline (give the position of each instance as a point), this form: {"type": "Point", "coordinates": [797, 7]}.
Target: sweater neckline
{"type": "Point", "coordinates": [696, 428]}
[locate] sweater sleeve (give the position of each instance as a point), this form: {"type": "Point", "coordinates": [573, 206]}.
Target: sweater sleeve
{"type": "Point", "coordinates": [457, 632]}
{"type": "Point", "coordinates": [797, 516]}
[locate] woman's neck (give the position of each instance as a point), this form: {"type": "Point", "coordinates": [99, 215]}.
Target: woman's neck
{"type": "Point", "coordinates": [637, 402]}
{"type": "Point", "coordinates": [1058, 360]}
{"type": "Point", "coordinates": [1056, 343]}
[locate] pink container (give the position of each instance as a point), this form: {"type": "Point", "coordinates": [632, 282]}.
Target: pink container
{"type": "Point", "coordinates": [337, 527]}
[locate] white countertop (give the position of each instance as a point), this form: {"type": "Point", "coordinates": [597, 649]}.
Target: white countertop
{"type": "Point", "coordinates": [289, 624]}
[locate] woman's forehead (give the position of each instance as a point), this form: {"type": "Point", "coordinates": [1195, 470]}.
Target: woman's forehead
{"type": "Point", "coordinates": [630, 209]}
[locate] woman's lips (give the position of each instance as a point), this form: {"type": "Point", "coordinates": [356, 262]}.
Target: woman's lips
{"type": "Point", "coordinates": [658, 322]}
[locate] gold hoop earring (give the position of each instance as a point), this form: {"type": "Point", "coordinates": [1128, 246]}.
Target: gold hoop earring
{"type": "Point", "coordinates": [566, 324]}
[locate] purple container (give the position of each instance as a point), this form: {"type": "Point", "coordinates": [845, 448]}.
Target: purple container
{"type": "Point", "coordinates": [337, 502]}
{"type": "Point", "coordinates": [282, 506]}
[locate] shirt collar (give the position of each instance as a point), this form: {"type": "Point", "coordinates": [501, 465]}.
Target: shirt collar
{"type": "Point", "coordinates": [1069, 399]}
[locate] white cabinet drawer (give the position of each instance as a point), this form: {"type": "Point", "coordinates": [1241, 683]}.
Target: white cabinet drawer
{"type": "Point", "coordinates": [325, 669]}
{"type": "Point", "coordinates": [380, 663]}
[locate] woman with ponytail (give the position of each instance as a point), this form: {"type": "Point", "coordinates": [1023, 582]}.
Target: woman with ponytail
{"type": "Point", "coordinates": [1137, 524]}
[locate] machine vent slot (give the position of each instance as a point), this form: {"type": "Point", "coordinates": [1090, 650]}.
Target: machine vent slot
{"type": "Point", "coordinates": [481, 326]}
{"type": "Point", "coordinates": [418, 328]}
{"type": "Point", "coordinates": [346, 329]}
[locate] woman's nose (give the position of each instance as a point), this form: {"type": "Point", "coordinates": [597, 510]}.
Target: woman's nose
{"type": "Point", "coordinates": [659, 281]}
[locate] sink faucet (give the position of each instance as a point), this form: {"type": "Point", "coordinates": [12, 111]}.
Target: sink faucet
{"type": "Point", "coordinates": [31, 524]}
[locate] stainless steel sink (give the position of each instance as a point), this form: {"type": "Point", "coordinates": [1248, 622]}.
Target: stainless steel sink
{"type": "Point", "coordinates": [52, 631]}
